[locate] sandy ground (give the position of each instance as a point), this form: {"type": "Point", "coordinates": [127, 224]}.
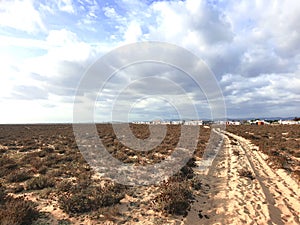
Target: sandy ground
{"type": "Point", "coordinates": [226, 197]}
{"type": "Point", "coordinates": [272, 197]}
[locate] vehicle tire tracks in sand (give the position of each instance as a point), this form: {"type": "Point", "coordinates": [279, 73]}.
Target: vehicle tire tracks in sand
{"type": "Point", "coordinates": [262, 196]}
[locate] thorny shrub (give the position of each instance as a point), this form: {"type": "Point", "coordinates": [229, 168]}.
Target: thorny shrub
{"type": "Point", "coordinates": [38, 183]}
{"type": "Point", "coordinates": [246, 173]}
{"type": "Point", "coordinates": [175, 197]}
{"type": "Point", "coordinates": [17, 211]}
{"type": "Point", "coordinates": [19, 176]}
{"type": "Point", "coordinates": [84, 197]}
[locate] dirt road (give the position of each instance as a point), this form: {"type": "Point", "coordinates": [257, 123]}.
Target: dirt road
{"type": "Point", "coordinates": [240, 188]}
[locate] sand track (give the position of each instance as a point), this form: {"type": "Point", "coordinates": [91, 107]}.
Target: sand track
{"type": "Point", "coordinates": [227, 197]}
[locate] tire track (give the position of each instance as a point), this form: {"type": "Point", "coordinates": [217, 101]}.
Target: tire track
{"type": "Point", "coordinates": [283, 201]}
{"type": "Point", "coordinates": [227, 197]}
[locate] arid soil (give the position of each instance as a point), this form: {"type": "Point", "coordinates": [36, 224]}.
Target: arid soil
{"type": "Point", "coordinates": [253, 180]}
{"type": "Point", "coordinates": [243, 189]}
{"type": "Point", "coordinates": [281, 143]}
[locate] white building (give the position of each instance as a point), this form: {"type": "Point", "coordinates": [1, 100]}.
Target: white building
{"type": "Point", "coordinates": [233, 123]}
{"type": "Point", "coordinates": [194, 122]}
{"type": "Point", "coordinates": [288, 122]}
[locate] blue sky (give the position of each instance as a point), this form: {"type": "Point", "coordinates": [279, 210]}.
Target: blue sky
{"type": "Point", "coordinates": [252, 47]}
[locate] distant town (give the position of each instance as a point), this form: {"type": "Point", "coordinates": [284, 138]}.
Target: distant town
{"type": "Point", "coordinates": [294, 121]}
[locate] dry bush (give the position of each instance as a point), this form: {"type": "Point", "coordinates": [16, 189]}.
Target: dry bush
{"type": "Point", "coordinates": [236, 152]}
{"type": "Point", "coordinates": [246, 173]}
{"type": "Point", "coordinates": [16, 211]}
{"type": "Point", "coordinates": [108, 196]}
{"type": "Point", "coordinates": [38, 183]}
{"type": "Point", "coordinates": [2, 195]}
{"type": "Point", "coordinates": [19, 176]}
{"type": "Point", "coordinates": [64, 222]}
{"type": "Point", "coordinates": [83, 197]}
{"type": "Point", "coordinates": [76, 203]}
{"type": "Point", "coordinates": [43, 170]}
{"type": "Point", "coordinates": [7, 165]}
{"type": "Point", "coordinates": [48, 149]}
{"type": "Point", "coordinates": [64, 186]}
{"type": "Point", "coordinates": [184, 173]}
{"type": "Point", "coordinates": [18, 188]}
{"type": "Point", "coordinates": [175, 197]}
{"type": "Point", "coordinates": [196, 183]}
{"type": "Point", "coordinates": [52, 160]}
{"type": "Point", "coordinates": [191, 162]}
{"type": "Point", "coordinates": [56, 172]}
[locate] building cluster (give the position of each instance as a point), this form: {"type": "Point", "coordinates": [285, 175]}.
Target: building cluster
{"type": "Point", "coordinates": [174, 122]}
{"type": "Point", "coordinates": [288, 122]}
{"type": "Point", "coordinates": [263, 122]}
{"type": "Point", "coordinates": [229, 122]}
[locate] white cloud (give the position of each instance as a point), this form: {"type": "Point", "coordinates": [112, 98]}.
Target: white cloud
{"type": "Point", "coordinates": [270, 35]}
{"type": "Point", "coordinates": [37, 111]}
{"type": "Point", "coordinates": [252, 46]}
{"type": "Point", "coordinates": [117, 21]}
{"type": "Point", "coordinates": [66, 6]}
{"type": "Point", "coordinates": [89, 9]}
{"type": "Point", "coordinates": [259, 95]}
{"type": "Point", "coordinates": [110, 12]}
{"type": "Point", "coordinates": [133, 32]}
{"type": "Point", "coordinates": [61, 37]}
{"type": "Point", "coordinates": [65, 55]}
{"type": "Point", "coordinates": [21, 15]}
{"type": "Point", "coordinates": [56, 70]}
{"type": "Point", "coordinates": [196, 23]}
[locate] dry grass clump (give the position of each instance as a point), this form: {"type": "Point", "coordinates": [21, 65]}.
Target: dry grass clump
{"type": "Point", "coordinates": [19, 176]}
{"type": "Point", "coordinates": [85, 197]}
{"type": "Point", "coordinates": [175, 197]}
{"type": "Point", "coordinates": [184, 173]}
{"type": "Point", "coordinates": [236, 152]}
{"type": "Point", "coordinates": [246, 173]}
{"type": "Point", "coordinates": [41, 182]}
{"type": "Point", "coordinates": [2, 195]}
{"type": "Point", "coordinates": [17, 211]}
{"type": "Point", "coordinates": [76, 203]}
{"type": "Point", "coordinates": [196, 183]}
{"type": "Point", "coordinates": [7, 165]}
{"type": "Point", "coordinates": [176, 193]}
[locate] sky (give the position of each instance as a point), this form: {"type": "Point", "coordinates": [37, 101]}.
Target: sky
{"type": "Point", "coordinates": [47, 47]}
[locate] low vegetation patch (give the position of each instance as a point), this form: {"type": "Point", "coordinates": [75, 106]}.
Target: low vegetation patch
{"type": "Point", "coordinates": [175, 197]}
{"type": "Point", "coordinates": [7, 165]}
{"type": "Point", "coordinates": [246, 173]}
{"type": "Point", "coordinates": [19, 176]}
{"type": "Point", "coordinates": [16, 211]}
{"type": "Point", "coordinates": [196, 183]}
{"type": "Point", "coordinates": [74, 199]}
{"type": "Point", "coordinates": [38, 183]}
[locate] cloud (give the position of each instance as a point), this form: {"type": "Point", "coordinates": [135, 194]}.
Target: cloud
{"type": "Point", "coordinates": [29, 92]}
{"type": "Point", "coordinates": [90, 10]}
{"type": "Point", "coordinates": [66, 6]}
{"type": "Point", "coordinates": [225, 35]}
{"type": "Point", "coordinates": [61, 37]}
{"type": "Point", "coordinates": [6, 41]}
{"type": "Point", "coordinates": [251, 46]}
{"type": "Point", "coordinates": [268, 94]}
{"type": "Point", "coordinates": [197, 22]}
{"type": "Point", "coordinates": [266, 38]}
{"type": "Point", "coordinates": [21, 15]}
{"type": "Point", "coordinates": [63, 65]}
{"type": "Point", "coordinates": [133, 32]}
{"type": "Point", "coordinates": [110, 13]}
